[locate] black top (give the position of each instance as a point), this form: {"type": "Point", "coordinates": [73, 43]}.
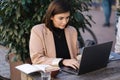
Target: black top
{"type": "Point", "coordinates": [61, 46]}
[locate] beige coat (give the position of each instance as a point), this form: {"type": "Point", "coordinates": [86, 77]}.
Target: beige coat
{"type": "Point", "coordinates": [42, 46]}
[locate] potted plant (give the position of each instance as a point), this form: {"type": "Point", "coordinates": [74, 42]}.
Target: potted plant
{"type": "Point", "coordinates": [17, 17]}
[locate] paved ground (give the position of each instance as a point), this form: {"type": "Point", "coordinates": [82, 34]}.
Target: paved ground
{"type": "Point", "coordinates": [103, 34]}
{"type": "Point", "coordinates": [4, 66]}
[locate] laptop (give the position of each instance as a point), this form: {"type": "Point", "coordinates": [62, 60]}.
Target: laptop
{"type": "Point", "coordinates": [93, 58]}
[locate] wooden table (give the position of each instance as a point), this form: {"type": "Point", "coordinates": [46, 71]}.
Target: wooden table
{"type": "Point", "coordinates": [111, 72]}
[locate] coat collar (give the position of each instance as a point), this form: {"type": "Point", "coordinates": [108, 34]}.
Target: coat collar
{"type": "Point", "coordinates": [49, 41]}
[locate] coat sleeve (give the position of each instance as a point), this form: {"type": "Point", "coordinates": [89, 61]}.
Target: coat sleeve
{"type": "Point", "coordinates": [75, 45]}
{"type": "Point", "coordinates": [37, 49]}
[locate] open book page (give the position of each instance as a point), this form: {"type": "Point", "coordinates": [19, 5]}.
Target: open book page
{"type": "Point", "coordinates": [41, 67]}
{"type": "Point", "coordinates": [46, 68]}
{"type": "Point", "coordinates": [28, 68]}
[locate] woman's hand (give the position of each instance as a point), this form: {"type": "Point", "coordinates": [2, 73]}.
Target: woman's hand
{"type": "Point", "coordinates": [71, 63]}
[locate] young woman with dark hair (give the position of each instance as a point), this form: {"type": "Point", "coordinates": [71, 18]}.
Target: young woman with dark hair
{"type": "Point", "coordinates": [54, 41]}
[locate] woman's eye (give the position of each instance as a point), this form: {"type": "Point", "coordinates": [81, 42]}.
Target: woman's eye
{"type": "Point", "coordinates": [60, 18]}
{"type": "Point", "coordinates": [68, 17]}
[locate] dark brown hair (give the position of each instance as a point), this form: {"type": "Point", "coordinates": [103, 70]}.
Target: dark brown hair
{"type": "Point", "coordinates": [55, 7]}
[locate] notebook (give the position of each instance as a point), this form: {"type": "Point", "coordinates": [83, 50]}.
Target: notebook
{"type": "Point", "coordinates": [93, 58]}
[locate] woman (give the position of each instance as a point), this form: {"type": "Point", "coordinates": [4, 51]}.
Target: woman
{"type": "Point", "coordinates": [54, 42]}
{"type": "Point", "coordinates": [107, 8]}
{"type": "Point", "coordinates": [117, 43]}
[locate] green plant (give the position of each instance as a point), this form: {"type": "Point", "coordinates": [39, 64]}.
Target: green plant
{"type": "Point", "coordinates": [18, 16]}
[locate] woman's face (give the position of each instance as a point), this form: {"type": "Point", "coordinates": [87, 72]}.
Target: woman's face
{"type": "Point", "coordinates": [60, 20]}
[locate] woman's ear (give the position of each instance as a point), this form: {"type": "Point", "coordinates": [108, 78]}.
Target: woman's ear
{"type": "Point", "coordinates": [51, 18]}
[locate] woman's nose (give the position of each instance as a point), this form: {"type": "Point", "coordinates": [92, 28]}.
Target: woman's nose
{"type": "Point", "coordinates": [65, 21]}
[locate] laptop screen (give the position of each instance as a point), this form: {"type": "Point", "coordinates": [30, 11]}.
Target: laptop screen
{"type": "Point", "coordinates": [95, 57]}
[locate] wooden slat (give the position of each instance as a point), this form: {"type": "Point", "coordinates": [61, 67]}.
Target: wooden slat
{"type": "Point", "coordinates": [25, 76]}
